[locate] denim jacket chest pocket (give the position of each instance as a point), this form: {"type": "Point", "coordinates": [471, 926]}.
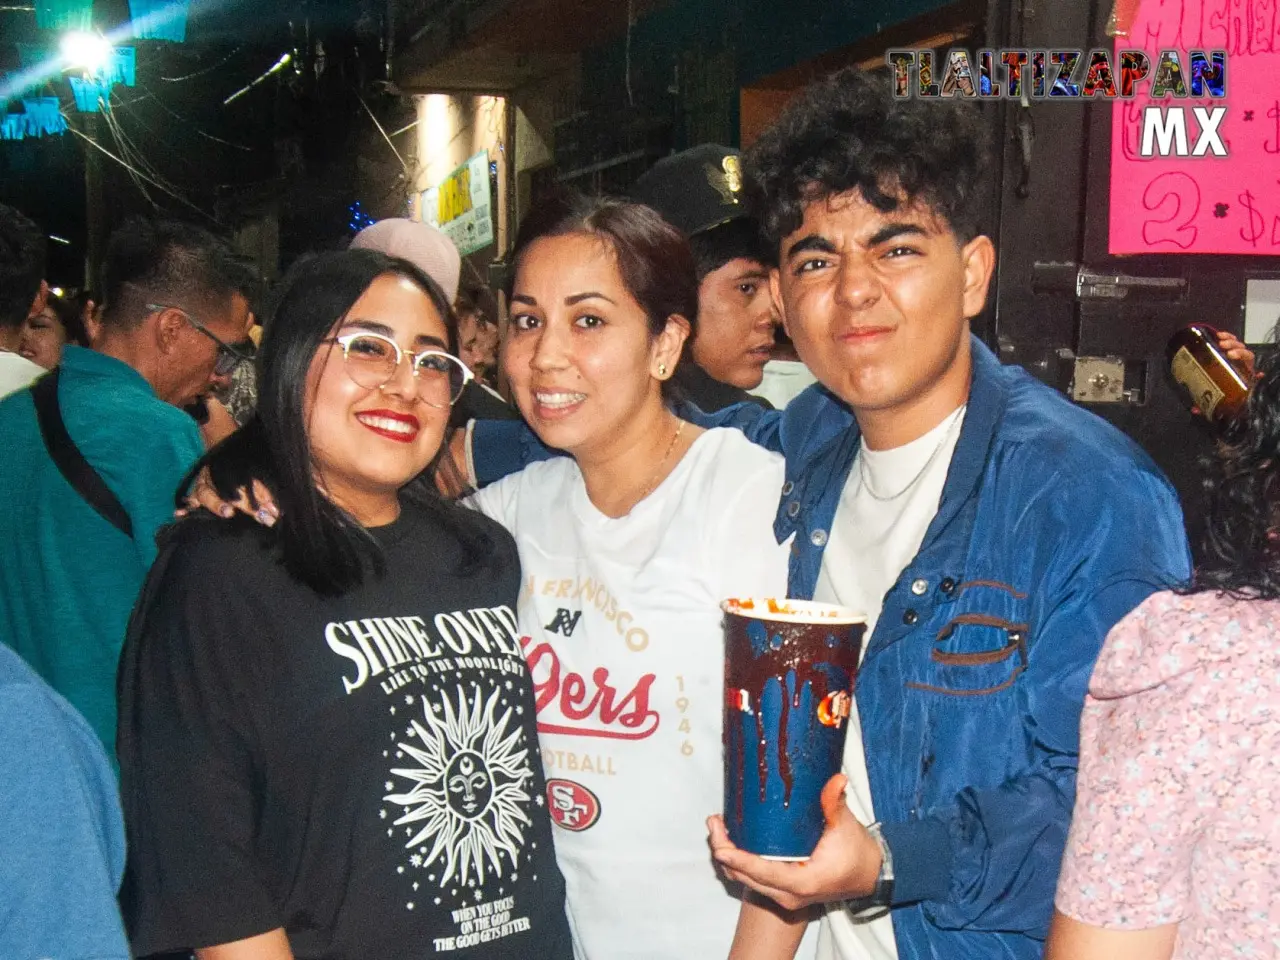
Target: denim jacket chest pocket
{"type": "Point", "coordinates": [980, 643]}
{"type": "Point", "coordinates": [964, 703]}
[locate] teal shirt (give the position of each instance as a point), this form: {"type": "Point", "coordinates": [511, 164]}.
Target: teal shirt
{"type": "Point", "coordinates": [68, 579]}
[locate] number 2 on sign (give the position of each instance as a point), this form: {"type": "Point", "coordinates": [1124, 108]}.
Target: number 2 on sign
{"type": "Point", "coordinates": [1179, 194]}
{"type": "Point", "coordinates": [682, 704]}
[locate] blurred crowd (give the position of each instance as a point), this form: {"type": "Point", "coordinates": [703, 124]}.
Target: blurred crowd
{"type": "Point", "coordinates": [378, 614]}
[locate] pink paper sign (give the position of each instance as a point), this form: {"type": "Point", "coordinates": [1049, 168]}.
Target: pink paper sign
{"type": "Point", "coordinates": [1207, 204]}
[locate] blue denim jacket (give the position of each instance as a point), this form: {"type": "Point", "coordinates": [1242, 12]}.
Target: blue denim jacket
{"type": "Point", "coordinates": [1051, 527]}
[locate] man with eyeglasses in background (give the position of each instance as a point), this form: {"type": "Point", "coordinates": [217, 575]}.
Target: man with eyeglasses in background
{"type": "Point", "coordinates": [91, 466]}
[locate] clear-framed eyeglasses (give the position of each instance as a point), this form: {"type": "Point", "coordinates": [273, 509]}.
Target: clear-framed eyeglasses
{"type": "Point", "coordinates": [371, 361]}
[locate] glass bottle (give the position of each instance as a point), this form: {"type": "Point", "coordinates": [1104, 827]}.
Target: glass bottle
{"type": "Point", "coordinates": [1215, 386]}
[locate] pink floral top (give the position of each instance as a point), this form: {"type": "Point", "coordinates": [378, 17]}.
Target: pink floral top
{"type": "Point", "coordinates": [1177, 818]}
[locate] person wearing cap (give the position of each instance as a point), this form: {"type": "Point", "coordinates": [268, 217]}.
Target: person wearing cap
{"type": "Point", "coordinates": [431, 251]}
{"type": "Point", "coordinates": [427, 248]}
{"type": "Point", "coordinates": [700, 192]}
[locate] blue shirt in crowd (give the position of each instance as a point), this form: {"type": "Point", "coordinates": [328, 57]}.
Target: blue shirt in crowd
{"type": "Point", "coordinates": [62, 842]}
{"type": "Point", "coordinates": [68, 578]}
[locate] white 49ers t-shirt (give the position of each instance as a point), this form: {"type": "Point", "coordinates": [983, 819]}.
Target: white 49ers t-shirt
{"type": "Point", "coordinates": [622, 632]}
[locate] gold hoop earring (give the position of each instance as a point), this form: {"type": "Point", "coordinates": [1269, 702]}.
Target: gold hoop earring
{"type": "Point", "coordinates": [662, 369]}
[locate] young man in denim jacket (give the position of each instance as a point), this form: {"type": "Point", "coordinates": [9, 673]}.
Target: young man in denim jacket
{"type": "Point", "coordinates": [1049, 527]}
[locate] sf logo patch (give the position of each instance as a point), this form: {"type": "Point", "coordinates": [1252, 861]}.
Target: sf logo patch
{"type": "Point", "coordinates": [572, 805]}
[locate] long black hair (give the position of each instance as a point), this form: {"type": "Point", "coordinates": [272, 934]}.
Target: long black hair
{"type": "Point", "coordinates": [321, 544]}
{"type": "Point", "coordinates": [1242, 552]}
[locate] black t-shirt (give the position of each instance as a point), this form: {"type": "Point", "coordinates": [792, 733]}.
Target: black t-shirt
{"type": "Point", "coordinates": [362, 771]}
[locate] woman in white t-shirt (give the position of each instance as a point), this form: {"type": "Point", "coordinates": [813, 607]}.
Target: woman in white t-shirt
{"type": "Point", "coordinates": [627, 549]}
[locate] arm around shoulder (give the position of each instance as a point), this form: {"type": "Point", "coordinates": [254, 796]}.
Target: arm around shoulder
{"type": "Point", "coordinates": [761, 425]}
{"type": "Point", "coordinates": [500, 448]}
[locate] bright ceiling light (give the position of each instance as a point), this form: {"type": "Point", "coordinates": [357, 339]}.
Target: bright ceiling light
{"type": "Point", "coordinates": [86, 51]}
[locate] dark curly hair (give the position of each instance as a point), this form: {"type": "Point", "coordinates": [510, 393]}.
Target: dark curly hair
{"type": "Point", "coordinates": [847, 132]}
{"type": "Point", "coordinates": [1241, 552]}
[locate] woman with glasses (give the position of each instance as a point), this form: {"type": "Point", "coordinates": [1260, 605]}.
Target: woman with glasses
{"type": "Point", "coordinates": [327, 738]}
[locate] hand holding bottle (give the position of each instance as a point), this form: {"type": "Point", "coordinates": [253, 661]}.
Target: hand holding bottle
{"type": "Point", "coordinates": [1215, 368]}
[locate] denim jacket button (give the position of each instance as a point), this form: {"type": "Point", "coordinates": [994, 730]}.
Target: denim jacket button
{"type": "Point", "coordinates": [793, 509]}
{"type": "Point", "coordinates": [787, 488]}
{"type": "Point", "coordinates": [920, 587]}
{"type": "Point", "coordinates": [948, 586]}
{"type": "Point", "coordinates": [910, 618]}
{"type": "Point", "coordinates": [818, 538]}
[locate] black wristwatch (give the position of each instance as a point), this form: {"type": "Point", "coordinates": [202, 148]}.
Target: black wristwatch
{"type": "Point", "coordinates": [876, 904]}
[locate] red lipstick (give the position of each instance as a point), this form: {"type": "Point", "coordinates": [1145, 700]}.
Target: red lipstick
{"type": "Point", "coordinates": [401, 427]}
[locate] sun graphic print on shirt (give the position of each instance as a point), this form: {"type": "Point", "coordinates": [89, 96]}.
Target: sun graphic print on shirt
{"type": "Point", "coordinates": [468, 790]}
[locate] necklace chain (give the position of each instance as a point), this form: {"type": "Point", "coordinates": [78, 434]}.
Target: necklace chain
{"type": "Point", "coordinates": [865, 478]}
{"type": "Point", "coordinates": [657, 474]}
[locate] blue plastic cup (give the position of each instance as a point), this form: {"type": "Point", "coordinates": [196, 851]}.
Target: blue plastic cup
{"type": "Point", "coordinates": [789, 671]}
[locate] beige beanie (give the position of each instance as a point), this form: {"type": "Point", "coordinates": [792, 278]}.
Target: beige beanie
{"type": "Point", "coordinates": [421, 244]}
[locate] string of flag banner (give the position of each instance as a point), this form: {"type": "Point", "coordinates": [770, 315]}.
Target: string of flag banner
{"type": "Point", "coordinates": [149, 19]}
{"type": "Point", "coordinates": [23, 115]}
